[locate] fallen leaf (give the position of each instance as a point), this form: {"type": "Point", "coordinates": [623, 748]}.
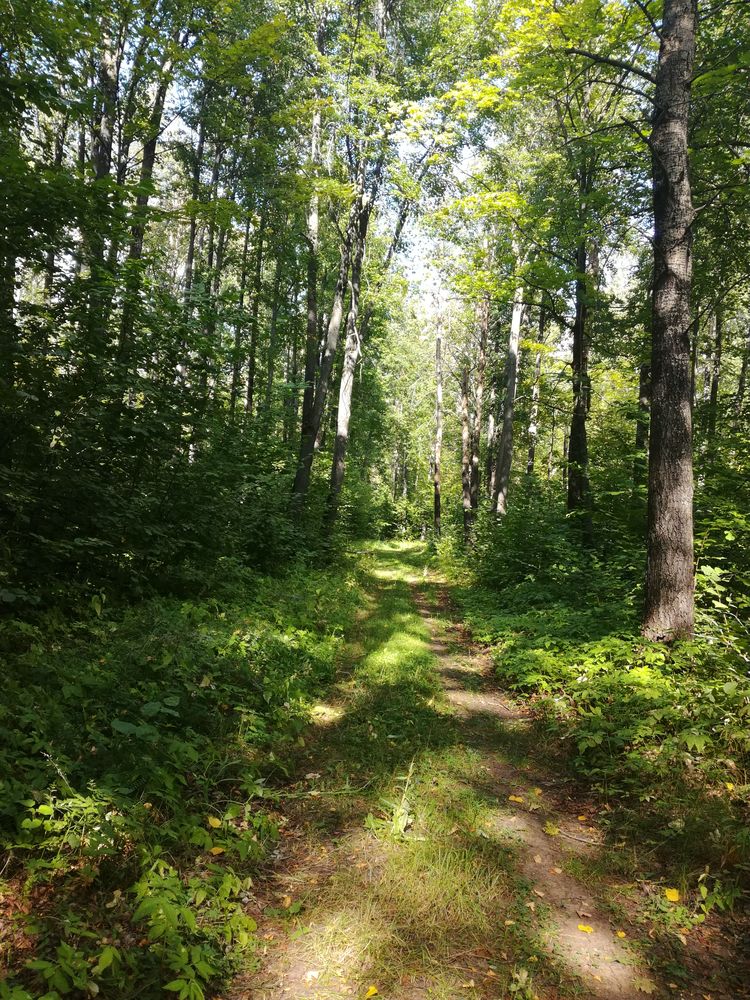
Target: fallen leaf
{"type": "Point", "coordinates": [644, 985]}
{"type": "Point", "coordinates": [582, 819]}
{"type": "Point", "coordinates": [729, 785]}
{"type": "Point", "coordinates": [550, 829]}
{"type": "Point", "coordinates": [214, 822]}
{"type": "Point", "coordinates": [531, 906]}
{"type": "Point", "coordinates": [372, 992]}
{"type": "Point", "coordinates": [468, 986]}
{"type": "Point", "coordinates": [556, 871]}
{"type": "Point", "coordinates": [314, 793]}
{"type": "Point", "coordinates": [312, 975]}
{"type": "Point", "coordinates": [312, 775]}
{"type": "Point", "coordinates": [621, 934]}
{"type": "Point", "coordinates": [286, 902]}
{"type": "Point", "coordinates": [515, 798]}
{"type": "Point", "coordinates": [217, 850]}
{"type": "Point", "coordinates": [586, 928]}
{"type": "Point", "coordinates": [537, 791]}
{"type": "Point", "coordinates": [673, 895]}
{"type": "Point", "coordinates": [538, 858]}
{"type": "Point", "coordinates": [509, 923]}
{"type": "Point", "coordinates": [538, 892]}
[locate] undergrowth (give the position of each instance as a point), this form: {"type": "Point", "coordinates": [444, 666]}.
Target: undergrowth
{"type": "Point", "coordinates": [132, 808]}
{"type": "Point", "coordinates": [661, 733]}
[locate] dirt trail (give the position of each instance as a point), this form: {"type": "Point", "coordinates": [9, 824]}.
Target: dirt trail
{"type": "Point", "coordinates": [346, 909]}
{"type": "Point", "coordinates": [545, 837]}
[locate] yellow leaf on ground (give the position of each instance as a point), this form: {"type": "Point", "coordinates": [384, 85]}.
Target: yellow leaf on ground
{"type": "Point", "coordinates": [214, 822]}
{"type": "Point", "coordinates": [537, 791]}
{"type": "Point", "coordinates": [621, 934]}
{"type": "Point", "coordinates": [286, 902]}
{"type": "Point", "coordinates": [673, 895]}
{"type": "Point", "coordinates": [372, 992]}
{"type": "Point", "coordinates": [217, 850]}
{"type": "Point", "coordinates": [538, 858]}
{"type": "Point", "coordinates": [729, 786]}
{"type": "Point", "coordinates": [582, 819]}
{"type": "Point", "coordinates": [515, 798]}
{"type": "Point", "coordinates": [550, 829]}
{"type": "Point", "coordinates": [586, 928]}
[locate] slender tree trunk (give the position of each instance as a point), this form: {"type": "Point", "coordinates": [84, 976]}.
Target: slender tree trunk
{"type": "Point", "coordinates": [489, 484]}
{"type": "Point", "coordinates": [234, 390]}
{"type": "Point", "coordinates": [505, 451]}
{"type": "Point", "coordinates": [272, 333]}
{"type": "Point", "coordinates": [640, 461]}
{"type": "Point", "coordinates": [669, 605]}
{"type": "Point", "coordinates": [438, 427]}
{"type": "Point", "coordinates": [310, 430]}
{"type": "Point", "coordinates": [140, 218]}
{"type": "Point", "coordinates": [739, 399]}
{"type": "Point", "coordinates": [713, 400]}
{"type": "Point", "coordinates": [484, 326]}
{"type": "Point", "coordinates": [352, 354]}
{"type": "Point", "coordinates": [254, 315]}
{"type": "Point", "coordinates": [551, 452]}
{"type": "Point", "coordinates": [466, 455]}
{"type": "Point", "coordinates": [313, 340]}
{"type": "Point", "coordinates": [535, 390]}
{"type": "Point", "coordinates": [579, 490]}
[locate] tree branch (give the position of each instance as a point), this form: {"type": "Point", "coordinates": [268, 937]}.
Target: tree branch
{"type": "Point", "coordinates": [617, 63]}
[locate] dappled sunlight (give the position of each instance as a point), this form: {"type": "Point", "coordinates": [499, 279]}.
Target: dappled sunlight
{"type": "Point", "coordinates": [406, 867]}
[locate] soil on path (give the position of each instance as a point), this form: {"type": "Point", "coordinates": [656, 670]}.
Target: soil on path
{"type": "Point", "coordinates": [439, 863]}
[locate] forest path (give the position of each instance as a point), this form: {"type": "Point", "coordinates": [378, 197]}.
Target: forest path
{"type": "Point", "coordinates": [421, 854]}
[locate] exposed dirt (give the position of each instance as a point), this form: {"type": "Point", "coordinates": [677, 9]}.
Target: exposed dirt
{"type": "Point", "coordinates": [533, 812]}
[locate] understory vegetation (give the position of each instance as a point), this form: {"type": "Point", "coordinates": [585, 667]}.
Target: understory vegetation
{"type": "Point", "coordinates": [135, 744]}
{"type": "Point", "coordinates": [660, 732]}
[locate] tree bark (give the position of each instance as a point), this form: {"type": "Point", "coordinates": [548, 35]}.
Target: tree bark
{"type": "Point", "coordinates": [640, 462]}
{"type": "Point", "coordinates": [484, 326]}
{"type": "Point", "coordinates": [713, 400]}
{"type": "Point", "coordinates": [310, 430]}
{"type": "Point", "coordinates": [466, 455]}
{"type": "Point", "coordinates": [535, 390]}
{"type": "Point", "coordinates": [579, 490]}
{"type": "Point", "coordinates": [352, 354]}
{"type": "Point", "coordinates": [254, 315]}
{"type": "Point", "coordinates": [505, 451]}
{"type": "Point", "coordinates": [234, 390]}
{"type": "Point", "coordinates": [438, 427]}
{"type": "Point", "coordinates": [669, 604]}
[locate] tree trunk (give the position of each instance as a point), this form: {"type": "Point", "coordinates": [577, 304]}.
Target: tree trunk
{"type": "Point", "coordinates": [669, 605]}
{"type": "Point", "coordinates": [713, 400]}
{"type": "Point", "coordinates": [254, 314]}
{"type": "Point", "coordinates": [272, 334]}
{"type": "Point", "coordinates": [484, 326]}
{"type": "Point", "coordinates": [140, 216]}
{"type": "Point", "coordinates": [234, 390]}
{"type": "Point", "coordinates": [466, 455]}
{"type": "Point", "coordinates": [640, 461]}
{"type": "Point", "coordinates": [310, 430]}
{"type": "Point", "coordinates": [438, 426]}
{"type": "Point", "coordinates": [579, 490]}
{"type": "Point", "coordinates": [352, 354]}
{"type": "Point", "coordinates": [535, 389]}
{"type": "Point", "coordinates": [505, 451]}
{"type": "Point", "coordinates": [739, 399]}
{"type": "Point", "coordinates": [313, 340]}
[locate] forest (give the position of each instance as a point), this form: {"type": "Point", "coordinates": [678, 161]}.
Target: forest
{"type": "Point", "coordinates": [375, 499]}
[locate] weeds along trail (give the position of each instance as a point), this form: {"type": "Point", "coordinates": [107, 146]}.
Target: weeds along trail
{"type": "Point", "coordinates": [423, 854]}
